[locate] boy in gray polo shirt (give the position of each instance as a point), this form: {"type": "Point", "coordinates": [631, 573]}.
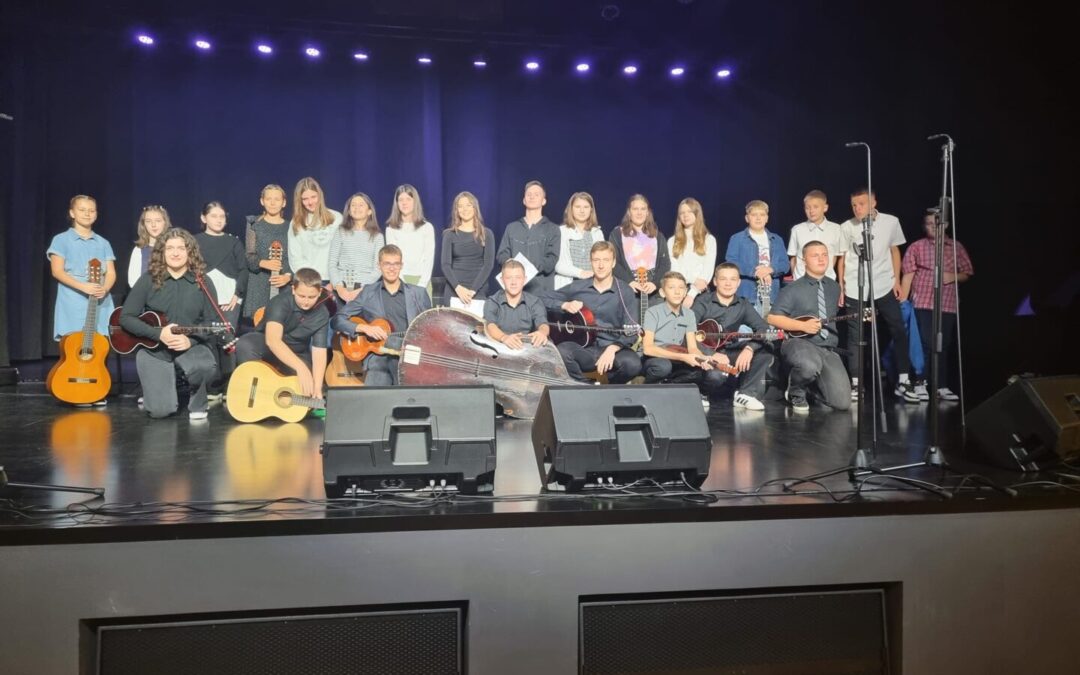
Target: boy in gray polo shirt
{"type": "Point", "coordinates": [669, 328]}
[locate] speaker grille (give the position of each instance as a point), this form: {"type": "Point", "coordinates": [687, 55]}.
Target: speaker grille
{"type": "Point", "coordinates": [415, 642]}
{"type": "Point", "coordinates": [834, 632]}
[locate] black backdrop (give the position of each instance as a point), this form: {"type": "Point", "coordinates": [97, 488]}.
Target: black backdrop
{"type": "Point", "coordinates": [97, 115]}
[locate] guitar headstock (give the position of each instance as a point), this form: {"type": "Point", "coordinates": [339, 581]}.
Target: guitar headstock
{"type": "Point", "coordinates": [868, 313]}
{"type": "Point", "coordinates": [276, 250]}
{"type": "Point", "coordinates": [93, 271]}
{"type": "Point", "coordinates": [230, 346]}
{"type": "Point", "coordinates": [641, 275]}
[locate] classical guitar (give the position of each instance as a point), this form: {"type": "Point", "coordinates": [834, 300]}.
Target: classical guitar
{"type": "Point", "coordinates": [764, 295]}
{"type": "Point", "coordinates": [124, 342]}
{"type": "Point", "coordinates": [257, 391]}
{"type": "Point", "coordinates": [580, 327]}
{"type": "Point", "coordinates": [276, 252]}
{"type": "Point", "coordinates": [80, 375]}
{"type": "Point", "coordinates": [341, 372]}
{"type": "Point", "coordinates": [358, 347]}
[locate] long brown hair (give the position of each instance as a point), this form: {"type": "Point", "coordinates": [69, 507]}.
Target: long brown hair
{"type": "Point", "coordinates": [568, 214]}
{"type": "Point", "coordinates": [649, 228]}
{"type": "Point", "coordinates": [144, 236]}
{"type": "Point", "coordinates": [700, 231]}
{"type": "Point", "coordinates": [323, 216]}
{"type": "Point", "coordinates": [394, 220]}
{"type": "Point", "coordinates": [372, 224]}
{"type": "Point", "coordinates": [478, 220]}
{"type": "Point", "coordinates": [159, 270]}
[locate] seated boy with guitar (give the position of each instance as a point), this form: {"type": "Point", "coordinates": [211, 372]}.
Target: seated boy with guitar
{"type": "Point", "coordinates": [292, 336]}
{"type": "Point", "coordinates": [808, 305]}
{"type": "Point", "coordinates": [389, 298]}
{"type": "Point", "coordinates": [611, 352]}
{"type": "Point", "coordinates": [721, 312]}
{"type": "Point", "coordinates": [173, 286]}
{"type": "Point", "coordinates": [670, 343]}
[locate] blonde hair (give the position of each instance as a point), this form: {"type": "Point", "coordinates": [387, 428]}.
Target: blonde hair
{"type": "Point", "coordinates": [649, 228]}
{"type": "Point", "coordinates": [144, 236]}
{"type": "Point", "coordinates": [75, 200]}
{"type": "Point", "coordinates": [322, 214]}
{"type": "Point", "coordinates": [478, 219]}
{"type": "Point", "coordinates": [700, 231]}
{"type": "Point", "coordinates": [394, 220]}
{"type": "Point", "coordinates": [568, 215]}
{"type": "Point", "coordinates": [756, 204]}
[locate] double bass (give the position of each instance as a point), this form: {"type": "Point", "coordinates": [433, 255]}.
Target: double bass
{"type": "Point", "coordinates": [449, 346]}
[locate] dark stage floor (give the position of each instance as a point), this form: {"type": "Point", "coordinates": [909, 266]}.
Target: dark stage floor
{"type": "Point", "coordinates": [168, 464]}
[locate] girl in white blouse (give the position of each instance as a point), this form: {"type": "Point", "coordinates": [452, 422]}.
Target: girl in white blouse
{"type": "Point", "coordinates": [692, 249]}
{"type": "Point", "coordinates": [579, 232]}
{"type": "Point", "coordinates": [313, 228]}
{"type": "Point", "coordinates": [407, 229]}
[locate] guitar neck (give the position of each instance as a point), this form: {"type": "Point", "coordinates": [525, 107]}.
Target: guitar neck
{"type": "Point", "coordinates": [197, 330]}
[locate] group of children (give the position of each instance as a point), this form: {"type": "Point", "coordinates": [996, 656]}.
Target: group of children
{"type": "Point", "coordinates": [322, 255]}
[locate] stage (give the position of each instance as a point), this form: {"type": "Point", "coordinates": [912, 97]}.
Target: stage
{"type": "Point", "coordinates": [218, 521]}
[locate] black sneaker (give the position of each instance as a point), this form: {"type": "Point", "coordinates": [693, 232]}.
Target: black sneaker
{"type": "Point", "coordinates": [906, 391]}
{"type": "Point", "coordinates": [797, 399]}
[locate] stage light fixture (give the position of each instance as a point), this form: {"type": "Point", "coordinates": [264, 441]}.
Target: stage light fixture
{"type": "Point", "coordinates": [424, 60]}
{"type": "Point", "coordinates": [723, 73]}
{"type": "Point", "coordinates": [629, 70]}
{"type": "Point", "coordinates": [532, 65]}
{"type": "Point", "coordinates": [678, 71]}
{"type": "Point", "coordinates": [360, 56]}
{"type": "Point", "coordinates": [312, 52]}
{"type": "Point", "coordinates": [144, 39]}
{"type": "Point", "coordinates": [202, 44]}
{"type": "Point", "coordinates": [582, 67]}
{"type": "Point", "coordinates": [264, 48]}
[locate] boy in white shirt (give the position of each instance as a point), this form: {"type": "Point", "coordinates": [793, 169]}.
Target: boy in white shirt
{"type": "Point", "coordinates": [816, 228]}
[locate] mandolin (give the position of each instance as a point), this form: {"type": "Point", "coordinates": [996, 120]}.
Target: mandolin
{"type": "Point", "coordinates": [80, 375]}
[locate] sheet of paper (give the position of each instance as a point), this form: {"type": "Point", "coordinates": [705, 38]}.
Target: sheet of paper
{"type": "Point", "coordinates": [530, 270]}
{"type": "Point", "coordinates": [476, 307]}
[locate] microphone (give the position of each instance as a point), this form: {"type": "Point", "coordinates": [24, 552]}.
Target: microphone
{"type": "Point", "coordinates": [853, 144]}
{"type": "Point", "coordinates": [930, 138]}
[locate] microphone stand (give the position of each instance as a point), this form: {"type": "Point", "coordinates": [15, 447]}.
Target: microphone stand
{"type": "Point", "coordinates": [5, 484]}
{"type": "Point", "coordinates": [864, 456]}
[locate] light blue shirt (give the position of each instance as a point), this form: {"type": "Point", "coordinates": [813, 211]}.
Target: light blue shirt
{"type": "Point", "coordinates": [70, 314]}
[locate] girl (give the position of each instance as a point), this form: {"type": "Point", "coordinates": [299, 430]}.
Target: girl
{"type": "Point", "coordinates": [639, 245]}
{"type": "Point", "coordinates": [152, 222]}
{"type": "Point", "coordinates": [354, 250]}
{"type": "Point", "coordinates": [313, 228]}
{"type": "Point", "coordinates": [266, 275]}
{"type": "Point", "coordinates": [468, 252]}
{"type": "Point", "coordinates": [69, 256]}
{"type": "Point", "coordinates": [226, 266]}
{"type": "Point", "coordinates": [692, 249]}
{"type": "Point", "coordinates": [407, 229]}
{"type": "Point", "coordinates": [579, 232]}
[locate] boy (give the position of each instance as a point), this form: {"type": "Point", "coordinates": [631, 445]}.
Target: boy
{"type": "Point", "coordinates": [388, 298]}
{"type": "Point", "coordinates": [609, 300]}
{"type": "Point", "coordinates": [918, 286]}
{"type": "Point", "coordinates": [534, 236]}
{"type": "Point", "coordinates": [748, 357]}
{"type": "Point", "coordinates": [812, 359]}
{"type": "Point", "coordinates": [172, 287]}
{"type": "Point", "coordinates": [885, 271]}
{"type": "Point", "coordinates": [670, 324]}
{"type": "Point", "coordinates": [512, 313]}
{"type": "Point", "coordinates": [760, 256]}
{"type": "Point", "coordinates": [292, 336]}
{"type": "Point", "coordinates": [815, 228]}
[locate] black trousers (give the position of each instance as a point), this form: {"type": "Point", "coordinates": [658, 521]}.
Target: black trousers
{"type": "Point", "coordinates": [580, 360]}
{"type": "Point", "coordinates": [887, 309]}
{"type": "Point", "coordinates": [925, 318]}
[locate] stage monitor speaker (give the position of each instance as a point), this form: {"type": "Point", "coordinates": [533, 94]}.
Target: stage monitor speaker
{"type": "Point", "coordinates": [385, 439]}
{"type": "Point", "coordinates": [589, 437]}
{"type": "Point", "coordinates": [1031, 424]}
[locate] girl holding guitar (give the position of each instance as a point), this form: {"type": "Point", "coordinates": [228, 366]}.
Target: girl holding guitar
{"type": "Point", "coordinates": [70, 255]}
{"type": "Point", "coordinates": [639, 245]}
{"type": "Point", "coordinates": [174, 286]}
{"type": "Point", "coordinates": [266, 246]}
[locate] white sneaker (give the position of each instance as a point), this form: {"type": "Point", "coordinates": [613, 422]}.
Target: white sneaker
{"type": "Point", "coordinates": [854, 389]}
{"type": "Point", "coordinates": [705, 401]}
{"type": "Point", "coordinates": [748, 402]}
{"type": "Point", "coordinates": [195, 415]}
{"type": "Point", "coordinates": [140, 401]}
{"type": "Point", "coordinates": [215, 398]}
{"type": "Point", "coordinates": [920, 390]}
{"type": "Point", "coordinates": [946, 394]}
{"type": "Point", "coordinates": [101, 404]}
